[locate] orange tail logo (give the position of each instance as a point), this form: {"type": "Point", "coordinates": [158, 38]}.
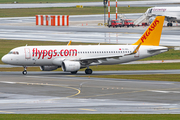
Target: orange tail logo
{"type": "Point", "coordinates": [152, 35]}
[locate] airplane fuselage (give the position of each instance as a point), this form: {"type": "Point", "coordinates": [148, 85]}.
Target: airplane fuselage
{"type": "Point", "coordinates": [54, 55]}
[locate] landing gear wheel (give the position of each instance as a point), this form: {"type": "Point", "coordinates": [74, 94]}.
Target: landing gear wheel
{"type": "Point", "coordinates": [169, 24]}
{"type": "Point", "coordinates": [88, 71]}
{"type": "Point", "coordinates": [24, 72]}
{"type": "Point", "coordinates": [74, 72]}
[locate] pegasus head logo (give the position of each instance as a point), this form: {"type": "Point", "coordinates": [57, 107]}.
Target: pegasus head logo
{"type": "Point", "coordinates": [149, 30]}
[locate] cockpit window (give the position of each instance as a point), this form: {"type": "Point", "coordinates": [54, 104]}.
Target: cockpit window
{"type": "Point", "coordinates": [17, 52]}
{"type": "Point", "coordinates": [150, 11]}
{"type": "Point", "coordinates": [14, 52]}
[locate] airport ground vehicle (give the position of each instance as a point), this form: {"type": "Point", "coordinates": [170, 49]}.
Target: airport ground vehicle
{"type": "Point", "coordinates": [127, 22]}
{"type": "Point", "coordinates": [115, 23]}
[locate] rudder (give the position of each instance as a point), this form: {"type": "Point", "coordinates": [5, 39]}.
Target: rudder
{"type": "Point", "coordinates": [153, 34]}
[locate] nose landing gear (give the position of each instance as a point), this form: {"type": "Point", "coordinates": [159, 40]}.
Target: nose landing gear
{"type": "Point", "coordinates": [25, 70]}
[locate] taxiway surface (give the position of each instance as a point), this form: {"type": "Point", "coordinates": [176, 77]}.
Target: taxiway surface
{"type": "Point", "coordinates": [57, 93]}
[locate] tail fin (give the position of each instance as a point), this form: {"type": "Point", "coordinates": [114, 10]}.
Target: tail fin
{"type": "Point", "coordinates": [153, 34]}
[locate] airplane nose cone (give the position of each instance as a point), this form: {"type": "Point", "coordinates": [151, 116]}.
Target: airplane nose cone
{"type": "Point", "coordinates": [4, 59]}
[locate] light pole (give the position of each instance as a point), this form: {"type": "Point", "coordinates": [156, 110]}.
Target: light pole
{"type": "Point", "coordinates": [104, 2]}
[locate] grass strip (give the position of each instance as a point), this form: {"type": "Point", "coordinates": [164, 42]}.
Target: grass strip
{"type": "Point", "coordinates": [154, 77]}
{"type": "Point", "coordinates": [90, 117]}
{"type": "Point", "coordinates": [26, 12]}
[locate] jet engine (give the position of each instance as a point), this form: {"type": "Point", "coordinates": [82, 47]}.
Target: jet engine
{"type": "Point", "coordinates": [70, 66]}
{"type": "Point", "coordinates": [48, 68]}
{"type": "Point", "coordinates": [151, 19]}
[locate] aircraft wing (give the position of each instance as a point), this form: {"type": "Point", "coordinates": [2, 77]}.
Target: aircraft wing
{"type": "Point", "coordinates": [101, 57]}
{"type": "Point", "coordinates": [167, 15]}
{"type": "Point", "coordinates": [171, 16]}
{"type": "Point", "coordinates": [97, 59]}
{"type": "Point", "coordinates": [111, 56]}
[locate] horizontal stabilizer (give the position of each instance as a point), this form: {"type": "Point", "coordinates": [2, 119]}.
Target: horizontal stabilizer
{"type": "Point", "coordinates": [157, 49]}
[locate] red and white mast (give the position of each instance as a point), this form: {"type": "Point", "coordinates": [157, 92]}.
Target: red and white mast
{"type": "Point", "coordinates": [116, 9]}
{"type": "Point", "coordinates": [108, 11]}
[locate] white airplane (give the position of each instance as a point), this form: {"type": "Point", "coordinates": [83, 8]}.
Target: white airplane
{"type": "Point", "coordinates": [71, 58]}
{"type": "Point", "coordinates": [172, 14]}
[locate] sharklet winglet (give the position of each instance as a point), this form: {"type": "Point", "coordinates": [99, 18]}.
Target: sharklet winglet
{"type": "Point", "coordinates": [69, 43]}
{"type": "Point", "coordinates": [137, 48]}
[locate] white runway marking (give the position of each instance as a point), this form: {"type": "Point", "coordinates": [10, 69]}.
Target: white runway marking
{"type": "Point", "coordinates": [164, 91]}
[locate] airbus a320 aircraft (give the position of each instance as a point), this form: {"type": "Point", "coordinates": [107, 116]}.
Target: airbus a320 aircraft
{"type": "Point", "coordinates": [71, 58]}
{"type": "Point", "coordinates": [172, 14]}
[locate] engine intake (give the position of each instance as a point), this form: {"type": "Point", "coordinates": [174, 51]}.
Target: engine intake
{"type": "Point", "coordinates": [70, 66]}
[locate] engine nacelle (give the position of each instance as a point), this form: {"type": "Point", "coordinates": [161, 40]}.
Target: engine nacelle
{"type": "Point", "coordinates": [151, 19]}
{"type": "Point", "coordinates": [48, 68]}
{"type": "Point", "coordinates": [70, 66]}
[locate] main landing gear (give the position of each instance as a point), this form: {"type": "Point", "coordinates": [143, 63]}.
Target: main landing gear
{"type": "Point", "coordinates": [169, 24]}
{"type": "Point", "coordinates": [88, 71]}
{"type": "Point", "coordinates": [25, 70]}
{"type": "Point", "coordinates": [74, 72]}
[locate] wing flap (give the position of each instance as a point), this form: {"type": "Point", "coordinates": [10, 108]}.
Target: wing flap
{"type": "Point", "coordinates": [111, 56]}
{"type": "Point", "coordinates": [101, 57]}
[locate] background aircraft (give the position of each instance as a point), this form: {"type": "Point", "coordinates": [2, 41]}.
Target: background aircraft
{"type": "Point", "coordinates": [172, 14]}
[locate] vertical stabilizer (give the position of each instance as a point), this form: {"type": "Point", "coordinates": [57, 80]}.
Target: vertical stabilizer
{"type": "Point", "coordinates": [153, 34]}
